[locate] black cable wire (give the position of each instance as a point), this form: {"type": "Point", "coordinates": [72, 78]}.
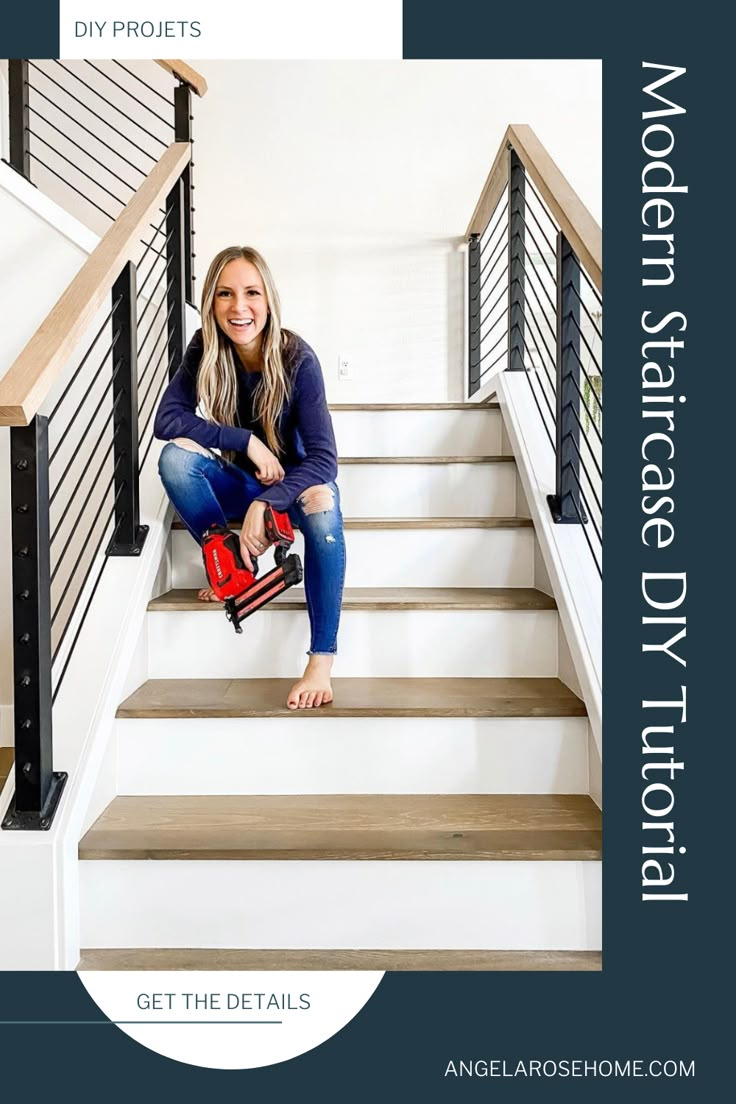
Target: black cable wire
{"type": "Point", "coordinates": [86, 152]}
{"type": "Point", "coordinates": [489, 312]}
{"type": "Point", "coordinates": [590, 382]}
{"type": "Point", "coordinates": [538, 276]}
{"type": "Point", "coordinates": [493, 347]}
{"type": "Point", "coordinates": [585, 308]}
{"type": "Point", "coordinates": [593, 491]}
{"type": "Point", "coordinates": [588, 281]}
{"type": "Point", "coordinates": [162, 275]}
{"type": "Point", "coordinates": [85, 358]}
{"type": "Point", "coordinates": [149, 362]}
{"type": "Point", "coordinates": [501, 318]}
{"type": "Point", "coordinates": [528, 208]}
{"type": "Point", "coordinates": [96, 183]}
{"type": "Point", "coordinates": [93, 112]}
{"type": "Point", "coordinates": [164, 381]}
{"type": "Point", "coordinates": [140, 80]}
{"type": "Point", "coordinates": [576, 416]}
{"type": "Point", "coordinates": [82, 126]}
{"type": "Point", "coordinates": [159, 256]}
{"type": "Point", "coordinates": [502, 242]}
{"type": "Point", "coordinates": [493, 364]}
{"type": "Point", "coordinates": [65, 181]}
{"type": "Point", "coordinates": [529, 287]}
{"type": "Point", "coordinates": [542, 203]}
{"type": "Point", "coordinates": [73, 457]}
{"type": "Point", "coordinates": [553, 413]}
{"type": "Point", "coordinates": [587, 409]}
{"type": "Point", "coordinates": [89, 601]}
{"type": "Point", "coordinates": [495, 285]}
{"type": "Point", "coordinates": [486, 235]}
{"type": "Point", "coordinates": [150, 272]}
{"type": "Point", "coordinates": [73, 529]}
{"type": "Point", "coordinates": [593, 357]}
{"type": "Point", "coordinates": [500, 257]}
{"type": "Point", "coordinates": [153, 320]}
{"type": "Point", "coordinates": [88, 392]}
{"type": "Point", "coordinates": [536, 243]}
{"type": "Point", "coordinates": [591, 517]}
{"type": "Point", "coordinates": [541, 413]}
{"type": "Point", "coordinates": [106, 101]}
{"type": "Point", "coordinates": [166, 122]}
{"type": "Point", "coordinates": [538, 332]}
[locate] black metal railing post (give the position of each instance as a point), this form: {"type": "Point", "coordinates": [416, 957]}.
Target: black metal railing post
{"type": "Point", "coordinates": [473, 313]}
{"type": "Point", "coordinates": [183, 133]}
{"type": "Point", "coordinates": [176, 268]}
{"type": "Point", "coordinates": [18, 150]}
{"type": "Point", "coordinates": [517, 183]}
{"type": "Point", "coordinates": [129, 535]}
{"type": "Point", "coordinates": [566, 505]}
{"type": "Point", "coordinates": [37, 787]}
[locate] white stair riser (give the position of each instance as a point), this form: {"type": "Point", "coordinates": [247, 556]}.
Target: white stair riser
{"type": "Point", "coordinates": [428, 490]}
{"type": "Point", "coordinates": [319, 755]}
{"type": "Point", "coordinates": [321, 904]}
{"type": "Point", "coordinates": [417, 432]}
{"type": "Point", "coordinates": [372, 644]}
{"type": "Point", "coordinates": [404, 558]}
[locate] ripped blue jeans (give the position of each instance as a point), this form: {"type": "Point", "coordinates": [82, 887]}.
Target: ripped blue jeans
{"type": "Point", "coordinates": [208, 490]}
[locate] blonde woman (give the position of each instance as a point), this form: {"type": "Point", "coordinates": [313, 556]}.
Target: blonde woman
{"type": "Point", "coordinates": [260, 392]}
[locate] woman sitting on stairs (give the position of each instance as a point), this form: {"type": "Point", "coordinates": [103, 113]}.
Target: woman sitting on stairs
{"type": "Point", "coordinates": [261, 392]}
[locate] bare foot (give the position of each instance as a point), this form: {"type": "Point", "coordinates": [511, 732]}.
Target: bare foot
{"type": "Point", "coordinates": [207, 595]}
{"type": "Point", "coordinates": [313, 689]}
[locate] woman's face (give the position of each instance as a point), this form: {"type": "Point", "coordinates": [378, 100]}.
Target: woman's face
{"type": "Point", "coordinates": [240, 306]}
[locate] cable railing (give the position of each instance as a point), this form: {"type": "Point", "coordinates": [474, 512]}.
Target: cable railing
{"type": "Point", "coordinates": [89, 132]}
{"type": "Point", "coordinates": [535, 306]}
{"type": "Point", "coordinates": [81, 409]}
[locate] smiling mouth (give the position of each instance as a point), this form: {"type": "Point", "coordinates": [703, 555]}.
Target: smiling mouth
{"type": "Point", "coordinates": [241, 323]}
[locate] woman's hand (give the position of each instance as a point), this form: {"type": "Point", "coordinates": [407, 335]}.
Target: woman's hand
{"type": "Point", "coordinates": [253, 540]}
{"type": "Point", "coordinates": [268, 468]}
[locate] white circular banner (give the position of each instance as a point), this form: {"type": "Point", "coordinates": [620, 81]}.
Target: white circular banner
{"type": "Point", "coordinates": [230, 1020]}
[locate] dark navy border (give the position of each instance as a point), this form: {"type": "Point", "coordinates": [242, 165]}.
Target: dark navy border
{"type": "Point", "coordinates": [657, 994]}
{"type": "Point", "coordinates": [30, 28]}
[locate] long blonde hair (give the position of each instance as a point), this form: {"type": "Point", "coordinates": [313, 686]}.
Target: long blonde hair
{"type": "Point", "coordinates": [217, 379]}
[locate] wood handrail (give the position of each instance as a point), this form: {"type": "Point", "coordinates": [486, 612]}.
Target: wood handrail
{"type": "Point", "coordinates": [573, 217]}
{"type": "Point", "coordinates": [184, 72]}
{"type": "Point", "coordinates": [30, 378]}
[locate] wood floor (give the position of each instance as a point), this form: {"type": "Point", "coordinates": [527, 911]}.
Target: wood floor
{"type": "Point", "coordinates": [444, 460]}
{"type": "Point", "coordinates": [357, 697]}
{"type": "Point", "coordinates": [415, 827]}
{"type": "Point", "coordinates": [154, 958]}
{"type": "Point", "coordinates": [415, 406]}
{"type": "Point", "coordinates": [6, 763]}
{"type": "Point", "coordinates": [383, 598]}
{"type": "Point", "coordinates": [415, 523]}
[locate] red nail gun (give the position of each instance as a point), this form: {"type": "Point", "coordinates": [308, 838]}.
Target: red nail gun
{"type": "Point", "coordinates": [230, 579]}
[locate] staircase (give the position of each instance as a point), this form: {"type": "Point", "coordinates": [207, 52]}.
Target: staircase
{"type": "Point", "coordinates": [435, 816]}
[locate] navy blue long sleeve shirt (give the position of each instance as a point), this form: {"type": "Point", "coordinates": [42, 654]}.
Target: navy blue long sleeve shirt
{"type": "Point", "coordinates": [310, 454]}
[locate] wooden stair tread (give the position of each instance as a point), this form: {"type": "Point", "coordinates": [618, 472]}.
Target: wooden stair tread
{"type": "Point", "coordinates": [175, 958]}
{"type": "Point", "coordinates": [7, 758]}
{"type": "Point", "coordinates": [414, 523]}
{"type": "Point", "coordinates": [357, 697]}
{"type": "Point", "coordinates": [444, 460]}
{"type": "Point", "coordinates": [382, 598]}
{"type": "Point", "coordinates": [415, 406]}
{"type": "Point", "coordinates": [348, 827]}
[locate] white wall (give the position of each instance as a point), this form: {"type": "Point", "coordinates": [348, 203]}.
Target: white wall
{"type": "Point", "coordinates": [356, 180]}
